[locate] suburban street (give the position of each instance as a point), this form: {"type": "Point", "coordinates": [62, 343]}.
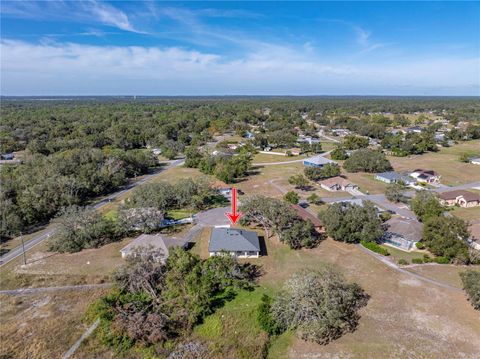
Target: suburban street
{"type": "Point", "coordinates": [17, 251]}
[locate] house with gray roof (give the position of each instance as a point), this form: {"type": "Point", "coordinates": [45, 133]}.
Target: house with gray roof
{"type": "Point", "coordinates": [239, 243]}
{"type": "Point", "coordinates": [316, 161]}
{"type": "Point", "coordinates": [394, 177]}
{"type": "Point", "coordinates": [402, 233]}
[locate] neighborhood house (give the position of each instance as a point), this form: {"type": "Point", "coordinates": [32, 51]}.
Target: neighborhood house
{"type": "Point", "coordinates": [237, 242]}
{"type": "Point", "coordinates": [402, 233]}
{"type": "Point", "coordinates": [307, 216]}
{"type": "Point", "coordinates": [316, 161]}
{"type": "Point", "coordinates": [337, 184]}
{"type": "Point", "coordinates": [394, 177]}
{"type": "Point", "coordinates": [460, 197]}
{"type": "Point", "coordinates": [475, 160]}
{"type": "Point", "coordinates": [426, 176]}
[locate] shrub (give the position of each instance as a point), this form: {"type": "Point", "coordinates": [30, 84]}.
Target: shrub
{"type": "Point", "coordinates": [417, 260]}
{"type": "Point", "coordinates": [402, 262]}
{"type": "Point", "coordinates": [426, 258]}
{"type": "Point", "coordinates": [264, 317]}
{"type": "Point", "coordinates": [291, 197]}
{"type": "Point", "coordinates": [441, 260]}
{"type": "Point", "coordinates": [471, 285]}
{"type": "Point", "coordinates": [420, 245]}
{"type": "Point", "coordinates": [374, 247]}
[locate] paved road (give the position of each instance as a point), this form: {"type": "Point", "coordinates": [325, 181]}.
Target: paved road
{"type": "Point", "coordinates": [442, 189]}
{"type": "Point", "coordinates": [17, 251]}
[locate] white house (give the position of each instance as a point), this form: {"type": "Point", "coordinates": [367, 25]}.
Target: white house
{"type": "Point", "coordinates": [239, 243]}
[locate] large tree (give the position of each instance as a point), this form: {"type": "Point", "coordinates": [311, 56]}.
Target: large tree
{"type": "Point", "coordinates": [352, 223]}
{"type": "Point", "coordinates": [447, 237]}
{"type": "Point", "coordinates": [319, 304]}
{"type": "Point", "coordinates": [366, 160]}
{"type": "Point", "coordinates": [425, 205]}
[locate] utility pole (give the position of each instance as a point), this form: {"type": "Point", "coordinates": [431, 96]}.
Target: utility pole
{"type": "Point", "coordinates": [23, 248]}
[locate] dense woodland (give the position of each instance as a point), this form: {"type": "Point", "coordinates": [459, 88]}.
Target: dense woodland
{"type": "Point", "coordinates": [76, 149]}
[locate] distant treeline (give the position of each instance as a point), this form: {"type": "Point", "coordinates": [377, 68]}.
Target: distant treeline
{"type": "Point", "coordinates": [79, 148]}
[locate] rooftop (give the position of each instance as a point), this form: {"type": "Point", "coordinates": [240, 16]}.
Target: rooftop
{"type": "Point", "coordinates": [408, 229]}
{"type": "Point", "coordinates": [306, 215]}
{"type": "Point", "coordinates": [318, 160]}
{"type": "Point", "coordinates": [233, 239]}
{"type": "Point", "coordinates": [469, 196]}
{"type": "Point", "coordinates": [145, 240]}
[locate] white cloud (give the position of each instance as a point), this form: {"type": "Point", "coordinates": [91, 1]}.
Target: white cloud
{"type": "Point", "coordinates": [110, 15]}
{"type": "Point", "coordinates": [70, 69]}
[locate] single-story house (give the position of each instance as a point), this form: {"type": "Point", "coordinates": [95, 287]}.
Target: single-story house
{"type": "Point", "coordinates": [250, 135]}
{"type": "Point", "coordinates": [157, 151]}
{"type": "Point", "coordinates": [239, 243]}
{"type": "Point", "coordinates": [316, 161]}
{"type": "Point", "coordinates": [226, 192]}
{"type": "Point", "coordinates": [307, 139]}
{"type": "Point", "coordinates": [155, 241]}
{"type": "Point", "coordinates": [425, 176]}
{"type": "Point", "coordinates": [341, 132]}
{"type": "Point", "coordinates": [475, 160]}
{"type": "Point", "coordinates": [414, 129]}
{"type": "Point", "coordinates": [439, 136]}
{"type": "Point", "coordinates": [359, 202]}
{"type": "Point", "coordinates": [307, 216]}
{"type": "Point", "coordinates": [402, 233]}
{"type": "Point", "coordinates": [7, 156]}
{"type": "Point", "coordinates": [337, 184]}
{"type": "Point", "coordinates": [295, 151]}
{"type": "Point", "coordinates": [394, 177]}
{"type": "Point", "coordinates": [459, 197]}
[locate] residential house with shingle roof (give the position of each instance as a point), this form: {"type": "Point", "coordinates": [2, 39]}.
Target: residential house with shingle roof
{"type": "Point", "coordinates": [239, 243]}
{"type": "Point", "coordinates": [337, 184]}
{"type": "Point", "coordinates": [461, 198]}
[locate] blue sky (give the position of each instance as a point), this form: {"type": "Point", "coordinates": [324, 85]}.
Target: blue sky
{"type": "Point", "coordinates": [240, 48]}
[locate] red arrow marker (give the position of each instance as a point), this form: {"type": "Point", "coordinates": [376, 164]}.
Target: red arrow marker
{"type": "Point", "coordinates": [234, 216]}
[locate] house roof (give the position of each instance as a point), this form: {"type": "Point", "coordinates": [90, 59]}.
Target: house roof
{"type": "Point", "coordinates": [408, 229]}
{"type": "Point", "coordinates": [146, 240]}
{"type": "Point", "coordinates": [394, 176]}
{"type": "Point", "coordinates": [336, 180]}
{"type": "Point", "coordinates": [469, 196]}
{"type": "Point", "coordinates": [318, 160]}
{"type": "Point", "coordinates": [233, 239]}
{"type": "Point", "coordinates": [425, 172]}
{"type": "Point", "coordinates": [307, 216]}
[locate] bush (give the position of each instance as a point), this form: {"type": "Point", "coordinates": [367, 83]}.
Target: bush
{"type": "Point", "coordinates": [441, 260]}
{"type": "Point", "coordinates": [264, 317]}
{"type": "Point", "coordinates": [420, 245]}
{"type": "Point", "coordinates": [374, 247]}
{"type": "Point", "coordinates": [426, 258]}
{"type": "Point", "coordinates": [291, 197]}
{"type": "Point", "coordinates": [417, 260]}
{"type": "Point", "coordinates": [471, 285]}
{"type": "Point", "coordinates": [403, 262]}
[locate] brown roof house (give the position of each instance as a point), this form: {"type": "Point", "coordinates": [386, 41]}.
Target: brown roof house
{"type": "Point", "coordinates": [460, 197]}
{"type": "Point", "coordinates": [337, 184]}
{"type": "Point", "coordinates": [307, 216]}
{"type": "Point", "coordinates": [402, 233]}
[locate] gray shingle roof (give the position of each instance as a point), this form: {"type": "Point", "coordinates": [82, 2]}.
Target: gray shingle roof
{"type": "Point", "coordinates": [233, 239]}
{"type": "Point", "coordinates": [318, 160]}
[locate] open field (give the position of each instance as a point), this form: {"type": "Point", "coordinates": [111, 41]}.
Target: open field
{"type": "Point", "coordinates": [43, 326]}
{"type": "Point", "coordinates": [444, 272]}
{"type": "Point", "coordinates": [445, 162]}
{"type": "Point", "coordinates": [366, 182]}
{"type": "Point", "coordinates": [401, 319]}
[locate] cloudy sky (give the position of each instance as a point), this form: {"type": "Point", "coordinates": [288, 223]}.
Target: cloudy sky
{"type": "Point", "coordinates": [233, 48]}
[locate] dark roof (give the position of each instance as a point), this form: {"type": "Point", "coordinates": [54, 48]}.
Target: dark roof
{"type": "Point", "coordinates": [307, 216]}
{"type": "Point", "coordinates": [233, 239]}
{"type": "Point", "coordinates": [469, 196]}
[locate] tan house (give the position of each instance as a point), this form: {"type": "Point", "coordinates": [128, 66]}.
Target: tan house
{"type": "Point", "coordinates": [461, 198]}
{"type": "Point", "coordinates": [337, 184]}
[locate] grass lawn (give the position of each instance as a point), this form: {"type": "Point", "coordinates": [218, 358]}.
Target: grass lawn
{"type": "Point", "coordinates": [469, 214]}
{"type": "Point", "coordinates": [179, 213]}
{"type": "Point", "coordinates": [445, 162]}
{"type": "Point", "coordinates": [411, 327]}
{"type": "Point", "coordinates": [397, 254]}
{"type": "Point", "coordinates": [43, 326]}
{"type": "Point", "coordinates": [366, 182]}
